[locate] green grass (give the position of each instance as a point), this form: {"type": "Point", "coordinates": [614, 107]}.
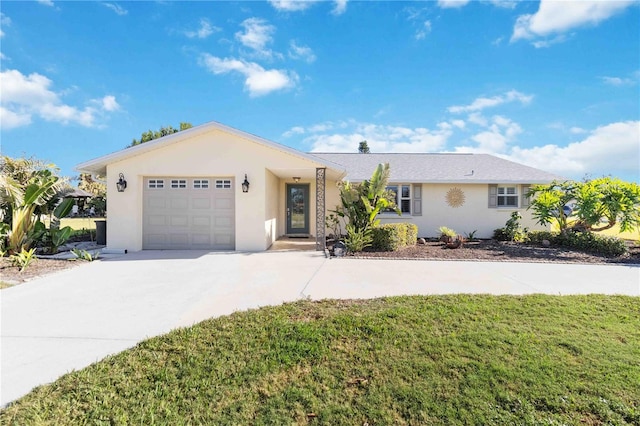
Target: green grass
{"type": "Point", "coordinates": [468, 360]}
{"type": "Point", "coordinates": [4, 284]}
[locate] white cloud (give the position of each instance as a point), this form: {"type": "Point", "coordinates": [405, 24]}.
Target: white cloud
{"type": "Point", "coordinates": [291, 5]}
{"type": "Point", "coordinates": [204, 31]}
{"type": "Point", "coordinates": [12, 119]}
{"type": "Point", "coordinates": [577, 130]}
{"type": "Point", "coordinates": [618, 81]}
{"type": "Point", "coordinates": [340, 7]}
{"type": "Point", "coordinates": [505, 4]}
{"type": "Point", "coordinates": [258, 81]}
{"type": "Point", "coordinates": [109, 103]}
{"type": "Point", "coordinates": [297, 130]}
{"type": "Point", "coordinates": [301, 52]}
{"type": "Point", "coordinates": [5, 21]}
{"type": "Point", "coordinates": [481, 103]}
{"type": "Point", "coordinates": [422, 32]}
{"type": "Point", "coordinates": [556, 17]}
{"type": "Point", "coordinates": [495, 137]}
{"type": "Point", "coordinates": [449, 4]}
{"type": "Point", "coordinates": [119, 10]}
{"type": "Point", "coordinates": [25, 96]}
{"type": "Point", "coordinates": [380, 138]}
{"type": "Point", "coordinates": [46, 2]}
{"type": "Point", "coordinates": [611, 147]}
{"type": "Point", "coordinates": [256, 36]}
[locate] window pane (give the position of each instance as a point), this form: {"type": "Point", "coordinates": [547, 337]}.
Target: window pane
{"type": "Point", "coordinates": [405, 206]}
{"type": "Point", "coordinates": [406, 191]}
{"type": "Point", "coordinates": [511, 190]}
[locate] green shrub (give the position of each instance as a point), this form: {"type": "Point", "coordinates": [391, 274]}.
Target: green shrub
{"type": "Point", "coordinates": [24, 258]}
{"type": "Point", "coordinates": [512, 230]}
{"type": "Point", "coordinates": [588, 242]}
{"type": "Point", "coordinates": [593, 243]}
{"type": "Point", "coordinates": [447, 232]}
{"type": "Point", "coordinates": [394, 236]}
{"type": "Point", "coordinates": [536, 237]}
{"type": "Point", "coordinates": [357, 239]}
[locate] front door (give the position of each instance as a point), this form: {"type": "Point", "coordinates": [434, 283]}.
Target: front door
{"type": "Point", "coordinates": [297, 209]}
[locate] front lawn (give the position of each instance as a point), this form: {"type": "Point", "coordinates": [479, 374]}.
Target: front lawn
{"type": "Point", "coordinates": [409, 360]}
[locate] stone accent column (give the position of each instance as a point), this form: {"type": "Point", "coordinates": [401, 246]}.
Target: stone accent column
{"type": "Point", "coordinates": [321, 226]}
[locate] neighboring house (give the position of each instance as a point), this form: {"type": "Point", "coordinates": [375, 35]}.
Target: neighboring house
{"type": "Point", "coordinates": [184, 191]}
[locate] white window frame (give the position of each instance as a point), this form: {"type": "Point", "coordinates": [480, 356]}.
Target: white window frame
{"type": "Point", "coordinates": [504, 195]}
{"type": "Point", "coordinates": [223, 183]}
{"type": "Point", "coordinates": [399, 187]}
{"type": "Point", "coordinates": [178, 184]}
{"type": "Point", "coordinates": [201, 184]}
{"type": "Point", "coordinates": [155, 184]}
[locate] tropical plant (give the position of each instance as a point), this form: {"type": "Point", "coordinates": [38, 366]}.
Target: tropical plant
{"type": "Point", "coordinates": [599, 204]}
{"type": "Point", "coordinates": [361, 203]}
{"type": "Point", "coordinates": [471, 236]}
{"type": "Point", "coordinates": [333, 224]}
{"type": "Point", "coordinates": [512, 231]}
{"type": "Point", "coordinates": [446, 234]}
{"type": "Point", "coordinates": [357, 239]}
{"type": "Point", "coordinates": [26, 186]}
{"type": "Point", "coordinates": [23, 259]}
{"type": "Point", "coordinates": [85, 255]}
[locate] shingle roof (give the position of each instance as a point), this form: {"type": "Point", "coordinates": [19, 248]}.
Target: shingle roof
{"type": "Point", "coordinates": [450, 168]}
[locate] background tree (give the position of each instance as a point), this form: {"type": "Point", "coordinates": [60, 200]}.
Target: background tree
{"type": "Point", "coordinates": [96, 187]}
{"type": "Point", "coordinates": [27, 185]}
{"type": "Point", "coordinates": [599, 204]}
{"type": "Point", "coordinates": [164, 131]}
{"type": "Point", "coordinates": [363, 148]}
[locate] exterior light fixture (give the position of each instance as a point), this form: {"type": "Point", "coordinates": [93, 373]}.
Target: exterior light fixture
{"type": "Point", "coordinates": [296, 179]}
{"type": "Point", "coordinates": [245, 184]}
{"type": "Point", "coordinates": [121, 184]}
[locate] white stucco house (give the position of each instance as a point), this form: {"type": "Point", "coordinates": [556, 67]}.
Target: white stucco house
{"type": "Point", "coordinates": [185, 190]}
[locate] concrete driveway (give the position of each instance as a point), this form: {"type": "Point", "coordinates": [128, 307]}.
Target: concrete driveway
{"type": "Point", "coordinates": [68, 320]}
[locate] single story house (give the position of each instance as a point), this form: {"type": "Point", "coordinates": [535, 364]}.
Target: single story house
{"type": "Point", "coordinates": [218, 188]}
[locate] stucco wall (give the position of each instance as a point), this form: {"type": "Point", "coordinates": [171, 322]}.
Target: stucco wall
{"type": "Point", "coordinates": [214, 153]}
{"type": "Point", "coordinates": [271, 208]}
{"type": "Point", "coordinates": [474, 214]}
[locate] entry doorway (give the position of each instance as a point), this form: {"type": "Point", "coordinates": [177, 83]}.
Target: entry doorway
{"type": "Point", "coordinates": [298, 209]}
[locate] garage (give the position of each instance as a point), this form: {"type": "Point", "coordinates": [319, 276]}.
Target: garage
{"type": "Point", "coordinates": [188, 213]}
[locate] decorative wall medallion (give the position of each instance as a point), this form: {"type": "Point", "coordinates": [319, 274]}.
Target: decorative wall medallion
{"type": "Point", "coordinates": [455, 197]}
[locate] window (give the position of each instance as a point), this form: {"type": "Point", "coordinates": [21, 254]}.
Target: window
{"type": "Point", "coordinates": [507, 196]}
{"type": "Point", "coordinates": [178, 183]}
{"type": "Point", "coordinates": [223, 184]}
{"type": "Point", "coordinates": [156, 183]}
{"type": "Point", "coordinates": [201, 184]}
{"type": "Point", "coordinates": [403, 197]}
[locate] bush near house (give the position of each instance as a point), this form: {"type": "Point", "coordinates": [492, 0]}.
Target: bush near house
{"type": "Point", "coordinates": [394, 236]}
{"type": "Point", "coordinates": [588, 242]}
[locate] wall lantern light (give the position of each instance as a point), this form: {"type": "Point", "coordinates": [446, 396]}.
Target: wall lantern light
{"type": "Point", "coordinates": [296, 179]}
{"type": "Point", "coordinates": [121, 184]}
{"type": "Point", "coordinates": [245, 184]}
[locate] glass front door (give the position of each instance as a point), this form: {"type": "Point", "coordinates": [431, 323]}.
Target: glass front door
{"type": "Point", "coordinates": [297, 209]}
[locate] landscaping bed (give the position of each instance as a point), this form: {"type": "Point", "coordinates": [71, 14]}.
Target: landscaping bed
{"type": "Point", "coordinates": [491, 250]}
{"type": "Point", "coordinates": [11, 275]}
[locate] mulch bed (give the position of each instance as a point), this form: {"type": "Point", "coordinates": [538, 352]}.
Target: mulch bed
{"type": "Point", "coordinates": [11, 274]}
{"type": "Point", "coordinates": [491, 250]}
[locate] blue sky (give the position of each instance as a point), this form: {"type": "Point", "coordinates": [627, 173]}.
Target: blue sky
{"type": "Point", "coordinates": [554, 85]}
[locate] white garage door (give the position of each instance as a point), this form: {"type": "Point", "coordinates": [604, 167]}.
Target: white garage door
{"type": "Point", "coordinates": [188, 213]}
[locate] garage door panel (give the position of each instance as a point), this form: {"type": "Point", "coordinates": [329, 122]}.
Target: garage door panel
{"type": "Point", "coordinates": [201, 203]}
{"type": "Point", "coordinates": [157, 220]}
{"type": "Point", "coordinates": [155, 203]}
{"type": "Point", "coordinates": [181, 203]}
{"type": "Point", "coordinates": [224, 204]}
{"type": "Point", "coordinates": [190, 216]}
{"type": "Point", "coordinates": [179, 220]}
